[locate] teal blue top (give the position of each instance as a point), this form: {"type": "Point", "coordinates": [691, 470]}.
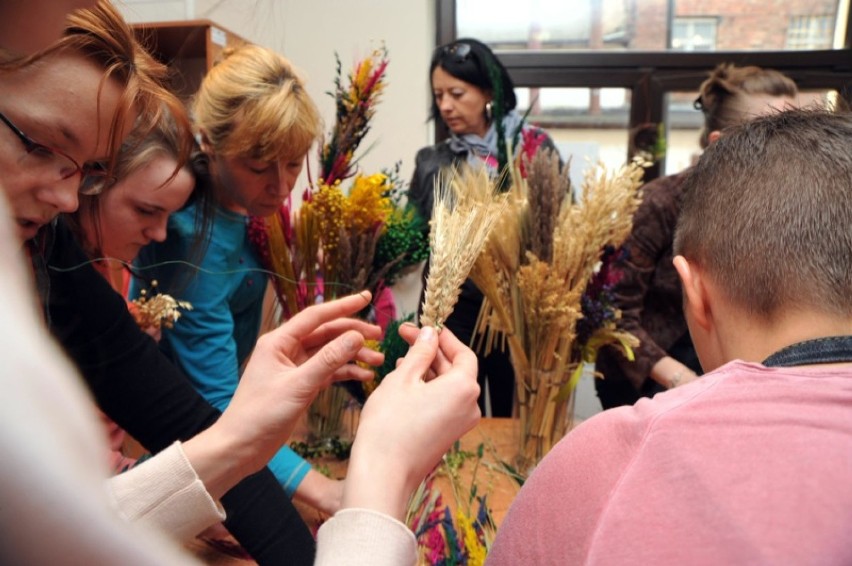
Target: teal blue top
{"type": "Point", "coordinates": [212, 341]}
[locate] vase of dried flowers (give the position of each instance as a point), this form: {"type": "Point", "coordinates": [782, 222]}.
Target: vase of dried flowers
{"type": "Point", "coordinates": [534, 273]}
{"type": "Point", "coordinates": [352, 231]}
{"type": "Point", "coordinates": [545, 415]}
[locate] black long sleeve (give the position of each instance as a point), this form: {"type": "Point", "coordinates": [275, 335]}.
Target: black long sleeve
{"type": "Point", "coordinates": [142, 391]}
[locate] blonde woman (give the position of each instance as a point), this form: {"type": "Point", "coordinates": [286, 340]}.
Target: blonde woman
{"type": "Point", "coordinates": [256, 124]}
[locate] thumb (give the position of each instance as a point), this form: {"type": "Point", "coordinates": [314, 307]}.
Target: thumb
{"type": "Point", "coordinates": [319, 368]}
{"type": "Point", "coordinates": [421, 354]}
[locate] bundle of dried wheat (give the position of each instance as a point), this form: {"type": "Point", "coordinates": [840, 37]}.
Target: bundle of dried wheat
{"type": "Point", "coordinates": [533, 273]}
{"type": "Point", "coordinates": [467, 206]}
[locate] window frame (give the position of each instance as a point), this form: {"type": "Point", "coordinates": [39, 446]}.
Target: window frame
{"type": "Point", "coordinates": [692, 21]}
{"type": "Point", "coordinates": [650, 75]}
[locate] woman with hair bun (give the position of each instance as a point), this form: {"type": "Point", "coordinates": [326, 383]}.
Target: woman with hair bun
{"type": "Point", "coordinates": [474, 97]}
{"type": "Point", "coordinates": [649, 293]}
{"type": "Point", "coordinates": [255, 123]}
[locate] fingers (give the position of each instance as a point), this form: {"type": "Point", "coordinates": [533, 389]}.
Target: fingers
{"type": "Point", "coordinates": [332, 357]}
{"type": "Point", "coordinates": [310, 319]}
{"type": "Point", "coordinates": [336, 327]}
{"type": "Point", "coordinates": [350, 372]}
{"type": "Point", "coordinates": [409, 333]}
{"type": "Point", "coordinates": [455, 351]}
{"type": "Point", "coordinates": [420, 356]}
{"type": "Point", "coordinates": [370, 357]}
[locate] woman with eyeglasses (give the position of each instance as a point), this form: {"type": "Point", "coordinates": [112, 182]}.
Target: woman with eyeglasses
{"type": "Point", "coordinates": [256, 124]}
{"type": "Point", "coordinates": [65, 112]}
{"type": "Point", "coordinates": [649, 291]}
{"type": "Point", "coordinates": [55, 508]}
{"type": "Point", "coordinates": [483, 123]}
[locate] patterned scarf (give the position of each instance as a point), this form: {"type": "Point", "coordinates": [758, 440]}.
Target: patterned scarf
{"type": "Point", "coordinates": [481, 150]}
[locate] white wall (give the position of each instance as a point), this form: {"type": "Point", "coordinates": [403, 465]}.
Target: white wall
{"type": "Point", "coordinates": [309, 33]}
{"type": "Point", "coordinates": [156, 10]}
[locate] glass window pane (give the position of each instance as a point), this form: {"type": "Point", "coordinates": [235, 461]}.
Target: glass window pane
{"type": "Point", "coordinates": [685, 123]}
{"type": "Point", "coordinates": [587, 125]}
{"type": "Point", "coordinates": [680, 25]}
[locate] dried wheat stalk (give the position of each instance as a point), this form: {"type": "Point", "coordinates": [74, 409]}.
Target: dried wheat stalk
{"type": "Point", "coordinates": [467, 206]}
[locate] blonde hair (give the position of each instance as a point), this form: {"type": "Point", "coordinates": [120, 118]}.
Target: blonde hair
{"type": "Point", "coordinates": [722, 96]}
{"type": "Point", "coordinates": [253, 103]}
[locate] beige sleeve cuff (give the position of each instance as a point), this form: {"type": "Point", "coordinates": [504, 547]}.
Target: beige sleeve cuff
{"type": "Point", "coordinates": [166, 494]}
{"type": "Point", "coordinates": [358, 537]}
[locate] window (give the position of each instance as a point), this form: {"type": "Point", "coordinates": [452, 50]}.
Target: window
{"type": "Point", "coordinates": [635, 67]}
{"type": "Point", "coordinates": [694, 34]}
{"type": "Point", "coordinates": [650, 25]}
{"type": "Point", "coordinates": [810, 32]}
{"type": "Point", "coordinates": [587, 125]}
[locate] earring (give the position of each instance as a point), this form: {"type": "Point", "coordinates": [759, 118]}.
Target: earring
{"type": "Point", "coordinates": [489, 113]}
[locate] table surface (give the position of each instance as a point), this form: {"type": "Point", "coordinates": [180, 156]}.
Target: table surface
{"type": "Point", "coordinates": [498, 437]}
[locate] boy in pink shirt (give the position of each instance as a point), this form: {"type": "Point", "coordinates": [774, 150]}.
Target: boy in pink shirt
{"type": "Point", "coordinates": [751, 464]}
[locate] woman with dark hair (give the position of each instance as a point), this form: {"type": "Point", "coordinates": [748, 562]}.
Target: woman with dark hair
{"type": "Point", "coordinates": [474, 97]}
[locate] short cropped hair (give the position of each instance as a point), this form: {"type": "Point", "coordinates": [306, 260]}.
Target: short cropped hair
{"type": "Point", "coordinates": [767, 214]}
{"type": "Point", "coordinates": [253, 103]}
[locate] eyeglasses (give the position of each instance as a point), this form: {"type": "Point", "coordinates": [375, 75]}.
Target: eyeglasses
{"type": "Point", "coordinates": [459, 51]}
{"type": "Point", "coordinates": [56, 165]}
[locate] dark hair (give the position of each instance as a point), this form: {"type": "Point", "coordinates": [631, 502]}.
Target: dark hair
{"type": "Point", "coordinates": [766, 213]}
{"type": "Point", "coordinates": [473, 62]}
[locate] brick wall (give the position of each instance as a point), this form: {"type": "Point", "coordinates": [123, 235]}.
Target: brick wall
{"type": "Point", "coordinates": [742, 24]}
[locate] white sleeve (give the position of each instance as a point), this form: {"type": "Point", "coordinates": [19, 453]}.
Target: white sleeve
{"type": "Point", "coordinates": [166, 494]}
{"type": "Point", "coordinates": [358, 537]}
{"type": "Point", "coordinates": [53, 506]}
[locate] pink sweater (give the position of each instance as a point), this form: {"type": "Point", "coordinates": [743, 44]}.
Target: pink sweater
{"type": "Point", "coordinates": [748, 465]}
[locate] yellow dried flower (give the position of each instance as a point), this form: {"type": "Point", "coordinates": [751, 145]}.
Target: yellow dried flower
{"type": "Point", "coordinates": [367, 206]}
{"type": "Point", "coordinates": [475, 549]}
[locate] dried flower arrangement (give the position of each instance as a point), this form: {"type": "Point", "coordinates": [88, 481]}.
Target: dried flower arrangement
{"type": "Point", "coordinates": [341, 239]}
{"type": "Point", "coordinates": [460, 533]}
{"type": "Point", "coordinates": [534, 273]}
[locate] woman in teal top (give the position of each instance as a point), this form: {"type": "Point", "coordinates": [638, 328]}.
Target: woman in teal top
{"type": "Point", "coordinates": [256, 124]}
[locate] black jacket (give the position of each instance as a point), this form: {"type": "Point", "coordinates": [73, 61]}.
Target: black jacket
{"type": "Point", "coordinates": [138, 388]}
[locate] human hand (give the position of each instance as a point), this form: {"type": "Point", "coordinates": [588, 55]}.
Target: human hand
{"type": "Point", "coordinates": [682, 377]}
{"type": "Point", "coordinates": [286, 371]}
{"type": "Point", "coordinates": [154, 332]}
{"type": "Point", "coordinates": [670, 373]}
{"type": "Point", "coordinates": [320, 492]}
{"type": "Point", "coordinates": [408, 423]}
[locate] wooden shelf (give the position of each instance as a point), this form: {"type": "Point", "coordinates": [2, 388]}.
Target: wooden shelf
{"type": "Point", "coordinates": [190, 48]}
